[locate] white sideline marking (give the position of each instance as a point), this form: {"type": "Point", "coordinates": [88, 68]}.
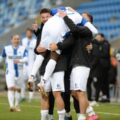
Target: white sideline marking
{"type": "Point", "coordinates": [105, 113]}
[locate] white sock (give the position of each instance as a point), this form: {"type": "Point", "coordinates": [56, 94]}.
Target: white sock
{"type": "Point", "coordinates": [61, 114]}
{"type": "Point", "coordinates": [82, 117]}
{"type": "Point", "coordinates": [31, 96]}
{"type": "Point", "coordinates": [23, 91]}
{"type": "Point", "coordinates": [49, 69]}
{"type": "Point", "coordinates": [44, 114]}
{"type": "Point", "coordinates": [11, 98]}
{"type": "Point", "coordinates": [37, 64]}
{"type": "Point", "coordinates": [78, 114]}
{"type": "Point", "coordinates": [17, 98]}
{"type": "Point", "coordinates": [90, 111]}
{"type": "Point", "coordinates": [50, 117]}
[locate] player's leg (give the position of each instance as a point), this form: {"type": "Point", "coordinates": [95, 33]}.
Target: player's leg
{"type": "Point", "coordinates": [76, 106]}
{"type": "Point", "coordinates": [48, 70]}
{"type": "Point", "coordinates": [18, 85]}
{"type": "Point", "coordinates": [80, 82]}
{"type": "Point", "coordinates": [45, 101]}
{"type": "Point", "coordinates": [37, 64]}
{"type": "Point", "coordinates": [44, 107]}
{"type": "Point", "coordinates": [11, 87]}
{"type": "Point", "coordinates": [31, 92]}
{"type": "Point", "coordinates": [51, 65]}
{"type": "Point", "coordinates": [66, 95]}
{"type": "Point", "coordinates": [57, 87]}
{"type": "Point", "coordinates": [17, 99]}
{"type": "Point", "coordinates": [51, 106]}
{"type": "Point", "coordinates": [23, 83]}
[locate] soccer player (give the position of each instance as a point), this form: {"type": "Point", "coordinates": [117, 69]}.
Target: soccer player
{"type": "Point", "coordinates": [67, 45]}
{"type": "Point", "coordinates": [47, 104]}
{"type": "Point", "coordinates": [15, 56]}
{"type": "Point", "coordinates": [79, 63]}
{"type": "Point", "coordinates": [29, 43]}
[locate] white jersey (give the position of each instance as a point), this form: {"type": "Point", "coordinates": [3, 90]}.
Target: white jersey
{"type": "Point", "coordinates": [11, 53]}
{"type": "Point", "coordinates": [55, 28]}
{"type": "Point", "coordinates": [30, 46]}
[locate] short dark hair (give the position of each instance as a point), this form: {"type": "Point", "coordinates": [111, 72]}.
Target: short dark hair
{"type": "Point", "coordinates": [29, 29]}
{"type": "Point", "coordinates": [90, 16]}
{"type": "Point", "coordinates": [101, 34]}
{"type": "Point", "coordinates": [45, 10]}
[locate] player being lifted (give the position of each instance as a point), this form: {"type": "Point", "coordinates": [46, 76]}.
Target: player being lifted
{"type": "Point", "coordinates": [15, 56]}
{"type": "Point", "coordinates": [50, 35]}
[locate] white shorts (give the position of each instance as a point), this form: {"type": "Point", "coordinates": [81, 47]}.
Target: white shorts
{"type": "Point", "coordinates": [13, 81]}
{"type": "Point", "coordinates": [56, 82]}
{"type": "Point", "coordinates": [79, 77]}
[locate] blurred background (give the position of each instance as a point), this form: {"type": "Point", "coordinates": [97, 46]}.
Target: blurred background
{"type": "Point", "coordinates": [17, 15]}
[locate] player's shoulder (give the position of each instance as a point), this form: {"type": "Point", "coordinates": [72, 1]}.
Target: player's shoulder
{"type": "Point", "coordinates": [21, 47]}
{"type": "Point", "coordinates": [24, 40]}
{"type": "Point", "coordinates": [33, 41]}
{"type": "Point", "coordinates": [8, 47]}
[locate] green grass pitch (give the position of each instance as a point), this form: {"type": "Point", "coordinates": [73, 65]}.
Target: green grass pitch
{"type": "Point", "coordinates": [31, 111]}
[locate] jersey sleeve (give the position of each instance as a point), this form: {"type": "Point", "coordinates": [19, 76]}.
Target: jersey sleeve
{"type": "Point", "coordinates": [3, 53]}
{"type": "Point", "coordinates": [25, 58]}
{"type": "Point", "coordinates": [25, 53]}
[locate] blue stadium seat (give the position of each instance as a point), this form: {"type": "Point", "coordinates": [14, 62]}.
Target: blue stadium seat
{"type": "Point", "coordinates": [104, 11]}
{"type": "Point", "coordinates": [14, 12]}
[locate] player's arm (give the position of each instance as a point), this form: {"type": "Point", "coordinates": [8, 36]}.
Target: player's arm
{"type": "Point", "coordinates": [25, 57]}
{"type": "Point", "coordinates": [3, 55]}
{"type": "Point", "coordinates": [77, 30]}
{"type": "Point", "coordinates": [73, 27]}
{"type": "Point", "coordinates": [23, 60]}
{"type": "Point", "coordinates": [37, 44]}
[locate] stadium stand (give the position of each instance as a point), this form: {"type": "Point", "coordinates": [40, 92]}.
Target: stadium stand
{"type": "Point", "coordinates": [106, 16]}
{"type": "Point", "coordinates": [16, 12]}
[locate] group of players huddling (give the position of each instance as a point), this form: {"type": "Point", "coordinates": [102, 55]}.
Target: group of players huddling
{"type": "Point", "coordinates": [63, 51]}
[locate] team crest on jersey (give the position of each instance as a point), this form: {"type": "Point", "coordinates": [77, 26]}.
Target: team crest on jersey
{"type": "Point", "coordinates": [58, 86]}
{"type": "Point", "coordinates": [76, 86]}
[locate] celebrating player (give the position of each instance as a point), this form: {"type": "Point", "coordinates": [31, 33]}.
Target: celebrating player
{"type": "Point", "coordinates": [15, 56]}
{"type": "Point", "coordinates": [29, 43]}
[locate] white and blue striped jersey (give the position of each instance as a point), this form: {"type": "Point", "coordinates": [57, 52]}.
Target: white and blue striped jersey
{"type": "Point", "coordinates": [30, 46]}
{"type": "Point", "coordinates": [11, 53]}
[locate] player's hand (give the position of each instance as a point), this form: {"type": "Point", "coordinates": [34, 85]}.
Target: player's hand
{"type": "Point", "coordinates": [71, 9]}
{"type": "Point", "coordinates": [62, 14]}
{"type": "Point", "coordinates": [31, 80]}
{"type": "Point", "coordinates": [35, 27]}
{"type": "Point", "coordinates": [41, 49]}
{"type": "Point", "coordinates": [16, 61]}
{"type": "Point", "coordinates": [53, 47]}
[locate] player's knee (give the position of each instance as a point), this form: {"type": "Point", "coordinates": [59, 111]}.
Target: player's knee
{"type": "Point", "coordinates": [18, 90]}
{"type": "Point", "coordinates": [57, 94]}
{"type": "Point", "coordinates": [73, 93]}
{"type": "Point", "coordinates": [54, 56]}
{"type": "Point", "coordinates": [80, 93]}
{"type": "Point", "coordinates": [11, 88]}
